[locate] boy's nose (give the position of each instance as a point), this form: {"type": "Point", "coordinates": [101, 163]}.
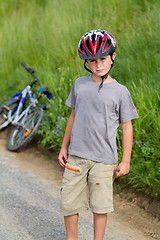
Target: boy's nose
{"type": "Point", "coordinates": [98, 63]}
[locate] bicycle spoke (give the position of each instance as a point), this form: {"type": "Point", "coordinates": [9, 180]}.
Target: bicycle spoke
{"type": "Point", "coordinates": [3, 115]}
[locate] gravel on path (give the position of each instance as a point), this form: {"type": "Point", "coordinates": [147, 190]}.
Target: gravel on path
{"type": "Point", "coordinates": [29, 209]}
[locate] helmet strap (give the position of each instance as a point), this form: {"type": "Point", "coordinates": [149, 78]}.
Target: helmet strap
{"type": "Point", "coordinates": [106, 75]}
{"type": "Point", "coordinates": [86, 67]}
{"type": "Point", "coordinates": [101, 84]}
{"type": "Point", "coordinates": [103, 77]}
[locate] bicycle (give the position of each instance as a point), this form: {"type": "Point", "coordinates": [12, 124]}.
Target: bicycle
{"type": "Point", "coordinates": [26, 121]}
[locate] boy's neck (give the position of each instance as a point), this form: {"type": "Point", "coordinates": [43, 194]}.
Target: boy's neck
{"type": "Point", "coordinates": [99, 79]}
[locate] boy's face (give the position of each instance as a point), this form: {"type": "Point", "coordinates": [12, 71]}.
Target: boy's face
{"type": "Point", "coordinates": [100, 66]}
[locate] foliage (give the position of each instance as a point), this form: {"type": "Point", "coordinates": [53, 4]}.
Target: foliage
{"type": "Point", "coordinates": [45, 35]}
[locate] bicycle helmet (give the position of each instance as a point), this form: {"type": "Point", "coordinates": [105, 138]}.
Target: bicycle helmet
{"type": "Point", "coordinates": [97, 44]}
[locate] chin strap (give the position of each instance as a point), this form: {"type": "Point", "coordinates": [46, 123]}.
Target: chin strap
{"type": "Point", "coordinates": [103, 77]}
{"type": "Point", "coordinates": [86, 67]}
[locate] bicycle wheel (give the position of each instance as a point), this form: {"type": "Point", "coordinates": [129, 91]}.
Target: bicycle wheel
{"type": "Point", "coordinates": [22, 135]}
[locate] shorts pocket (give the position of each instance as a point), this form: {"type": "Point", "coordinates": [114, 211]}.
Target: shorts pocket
{"type": "Point", "coordinates": [72, 169]}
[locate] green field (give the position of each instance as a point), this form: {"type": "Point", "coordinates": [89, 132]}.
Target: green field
{"type": "Point", "coordinates": [45, 34]}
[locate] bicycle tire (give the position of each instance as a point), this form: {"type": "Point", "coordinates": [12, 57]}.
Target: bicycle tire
{"type": "Point", "coordinates": [19, 137]}
{"type": "Point", "coordinates": [6, 110]}
{"type": "Point", "coordinates": [4, 118]}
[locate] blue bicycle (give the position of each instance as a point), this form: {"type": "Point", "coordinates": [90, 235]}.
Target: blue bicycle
{"type": "Point", "coordinates": [26, 120]}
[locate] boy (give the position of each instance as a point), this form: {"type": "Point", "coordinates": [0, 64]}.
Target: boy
{"type": "Point", "coordinates": [99, 105]}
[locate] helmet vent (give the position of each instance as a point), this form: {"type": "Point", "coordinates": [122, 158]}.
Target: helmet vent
{"type": "Point", "coordinates": [99, 43]}
{"type": "Point", "coordinates": [81, 47]}
{"type": "Point", "coordinates": [93, 39]}
{"type": "Point", "coordinates": [88, 45]}
{"type": "Point", "coordinates": [107, 44]}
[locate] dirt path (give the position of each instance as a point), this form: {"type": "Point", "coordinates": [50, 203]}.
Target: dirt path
{"type": "Point", "coordinates": [128, 222]}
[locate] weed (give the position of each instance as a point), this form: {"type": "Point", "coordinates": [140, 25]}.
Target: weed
{"type": "Point", "coordinates": [45, 35]}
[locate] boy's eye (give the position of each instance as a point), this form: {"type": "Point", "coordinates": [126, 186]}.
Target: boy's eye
{"type": "Point", "coordinates": [103, 59]}
{"type": "Point", "coordinates": [93, 60]}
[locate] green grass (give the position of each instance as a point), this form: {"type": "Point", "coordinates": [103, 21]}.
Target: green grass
{"type": "Point", "coordinates": [45, 35]}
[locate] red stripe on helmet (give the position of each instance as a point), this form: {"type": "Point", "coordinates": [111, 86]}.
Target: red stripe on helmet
{"type": "Point", "coordinates": [96, 43]}
{"type": "Point", "coordinates": [104, 44]}
{"type": "Point", "coordinates": [87, 47]}
{"type": "Point", "coordinates": [82, 43]}
{"type": "Point", "coordinates": [107, 48]}
{"type": "Point", "coordinates": [81, 51]}
{"type": "Point", "coordinates": [113, 38]}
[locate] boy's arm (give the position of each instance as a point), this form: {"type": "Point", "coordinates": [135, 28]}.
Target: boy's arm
{"type": "Point", "coordinates": [66, 140]}
{"type": "Point", "coordinates": [127, 136]}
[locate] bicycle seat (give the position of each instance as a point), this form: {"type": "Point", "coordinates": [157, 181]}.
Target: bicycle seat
{"type": "Point", "coordinates": [12, 101]}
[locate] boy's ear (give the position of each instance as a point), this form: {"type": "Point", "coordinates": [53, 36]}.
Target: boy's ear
{"type": "Point", "coordinates": [86, 67]}
{"type": "Point", "coordinates": [86, 63]}
{"type": "Point", "coordinates": [114, 55]}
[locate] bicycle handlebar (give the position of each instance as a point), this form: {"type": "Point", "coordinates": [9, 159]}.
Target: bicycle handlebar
{"type": "Point", "coordinates": [31, 71]}
{"type": "Point", "coordinates": [32, 83]}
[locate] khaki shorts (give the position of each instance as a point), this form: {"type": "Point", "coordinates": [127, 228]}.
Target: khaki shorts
{"type": "Point", "coordinates": [87, 184]}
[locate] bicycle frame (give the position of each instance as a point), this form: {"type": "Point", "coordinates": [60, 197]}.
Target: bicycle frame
{"type": "Point", "coordinates": [16, 118]}
{"type": "Point", "coordinates": [14, 114]}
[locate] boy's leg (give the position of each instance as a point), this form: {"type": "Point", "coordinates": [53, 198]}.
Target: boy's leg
{"type": "Point", "coordinates": [100, 182]}
{"type": "Point", "coordinates": [71, 224]}
{"type": "Point", "coordinates": [100, 221]}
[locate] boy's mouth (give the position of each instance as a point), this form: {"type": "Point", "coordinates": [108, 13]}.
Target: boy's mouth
{"type": "Point", "coordinates": [99, 70]}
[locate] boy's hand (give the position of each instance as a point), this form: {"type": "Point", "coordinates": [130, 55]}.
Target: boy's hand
{"type": "Point", "coordinates": [122, 169]}
{"type": "Point", "coordinates": [63, 157]}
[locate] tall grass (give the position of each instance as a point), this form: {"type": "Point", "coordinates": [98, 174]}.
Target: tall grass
{"type": "Point", "coordinates": [45, 35]}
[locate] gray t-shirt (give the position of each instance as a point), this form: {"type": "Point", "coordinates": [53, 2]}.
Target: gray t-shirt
{"type": "Point", "coordinates": [97, 118]}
